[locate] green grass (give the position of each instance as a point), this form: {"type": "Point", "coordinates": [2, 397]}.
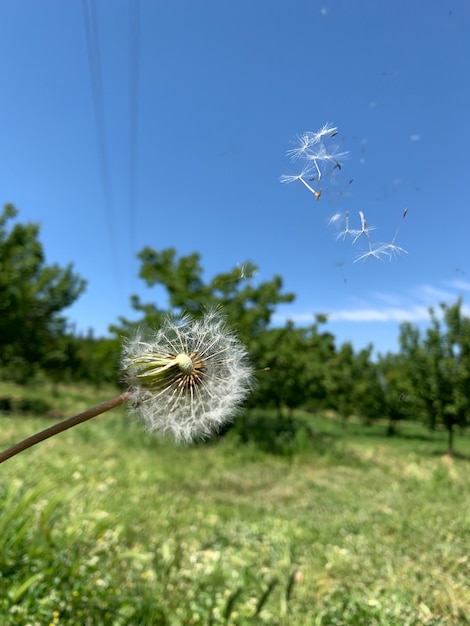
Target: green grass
{"type": "Point", "coordinates": [105, 525]}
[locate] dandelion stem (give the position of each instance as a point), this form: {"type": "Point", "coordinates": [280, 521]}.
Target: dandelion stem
{"type": "Point", "coordinates": [64, 425]}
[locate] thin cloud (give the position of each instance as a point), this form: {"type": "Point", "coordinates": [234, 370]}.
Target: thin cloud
{"type": "Point", "coordinates": [387, 307]}
{"type": "Point", "coordinates": [462, 285]}
{"type": "Point", "coordinates": [297, 318]}
{"type": "Point", "coordinates": [431, 293]}
{"type": "Point", "coordinates": [388, 314]}
{"type": "Point", "coordinates": [389, 298]}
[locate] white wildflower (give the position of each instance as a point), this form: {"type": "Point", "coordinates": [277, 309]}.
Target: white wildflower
{"type": "Point", "coordinates": [189, 377]}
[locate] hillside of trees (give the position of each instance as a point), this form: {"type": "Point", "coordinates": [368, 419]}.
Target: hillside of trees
{"type": "Point", "coordinates": [428, 380]}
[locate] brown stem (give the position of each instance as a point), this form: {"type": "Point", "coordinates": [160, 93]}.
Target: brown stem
{"type": "Point", "coordinates": [64, 425]}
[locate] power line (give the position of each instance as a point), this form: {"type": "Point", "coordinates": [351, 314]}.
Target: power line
{"type": "Point", "coordinates": [134, 54]}
{"type": "Point", "coordinates": [90, 19]}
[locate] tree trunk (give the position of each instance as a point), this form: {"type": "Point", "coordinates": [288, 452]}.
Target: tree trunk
{"type": "Point", "coordinates": [450, 439]}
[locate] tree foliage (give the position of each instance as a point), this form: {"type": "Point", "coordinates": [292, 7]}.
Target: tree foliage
{"type": "Point", "coordinates": [299, 367]}
{"type": "Point", "coordinates": [247, 306]}
{"type": "Point", "coordinates": [438, 368]}
{"type": "Point", "coordinates": [304, 367]}
{"type": "Point", "coordinates": [32, 296]}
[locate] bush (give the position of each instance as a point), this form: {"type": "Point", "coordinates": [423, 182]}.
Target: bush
{"type": "Point", "coordinates": [24, 406]}
{"type": "Point", "coordinates": [272, 433]}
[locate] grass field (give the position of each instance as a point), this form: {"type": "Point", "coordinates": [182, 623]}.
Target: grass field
{"type": "Point", "coordinates": [106, 525]}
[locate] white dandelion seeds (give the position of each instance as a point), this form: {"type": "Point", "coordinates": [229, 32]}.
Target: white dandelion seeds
{"type": "Point", "coordinates": [377, 250]}
{"type": "Point", "coordinates": [305, 141]}
{"type": "Point", "coordinates": [365, 229]}
{"type": "Point", "coordinates": [321, 159]}
{"type": "Point", "coordinates": [323, 155]}
{"type": "Point", "coordinates": [325, 130]}
{"type": "Point", "coordinates": [390, 248]}
{"type": "Point", "coordinates": [189, 377]}
{"type": "Point", "coordinates": [286, 178]}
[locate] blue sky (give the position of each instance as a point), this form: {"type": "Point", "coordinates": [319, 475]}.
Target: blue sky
{"type": "Point", "coordinates": [198, 104]}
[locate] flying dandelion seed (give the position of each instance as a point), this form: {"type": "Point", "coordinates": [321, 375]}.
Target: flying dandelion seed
{"type": "Point", "coordinates": [346, 232]}
{"type": "Point", "coordinates": [377, 250]}
{"type": "Point", "coordinates": [285, 178]}
{"type": "Point", "coordinates": [305, 141]}
{"type": "Point", "coordinates": [335, 218]}
{"type": "Point", "coordinates": [326, 129]}
{"type": "Point", "coordinates": [390, 248]}
{"type": "Point", "coordinates": [312, 148]}
{"type": "Point", "coordinates": [188, 378]}
{"type": "Point", "coordinates": [244, 271]}
{"type": "Point", "coordinates": [365, 229]}
{"type": "Point", "coordinates": [323, 159]}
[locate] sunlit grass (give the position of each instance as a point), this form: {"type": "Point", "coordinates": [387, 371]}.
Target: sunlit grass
{"type": "Point", "coordinates": [104, 524]}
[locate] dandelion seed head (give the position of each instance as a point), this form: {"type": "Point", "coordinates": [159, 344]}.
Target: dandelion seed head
{"type": "Point", "coordinates": [188, 378]}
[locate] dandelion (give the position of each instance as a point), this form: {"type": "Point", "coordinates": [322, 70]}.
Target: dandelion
{"type": "Point", "coordinates": [188, 378]}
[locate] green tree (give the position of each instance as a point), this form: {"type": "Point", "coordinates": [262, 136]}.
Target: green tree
{"type": "Point", "coordinates": [340, 378]}
{"type": "Point", "coordinates": [298, 359]}
{"type": "Point", "coordinates": [398, 392]}
{"type": "Point", "coordinates": [248, 308]}
{"type": "Point", "coordinates": [282, 352]}
{"type": "Point", "coordinates": [95, 360]}
{"type": "Point", "coordinates": [319, 348]}
{"type": "Point", "coordinates": [438, 366]}
{"type": "Point", "coordinates": [32, 296]}
{"type": "Point", "coordinates": [353, 383]}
